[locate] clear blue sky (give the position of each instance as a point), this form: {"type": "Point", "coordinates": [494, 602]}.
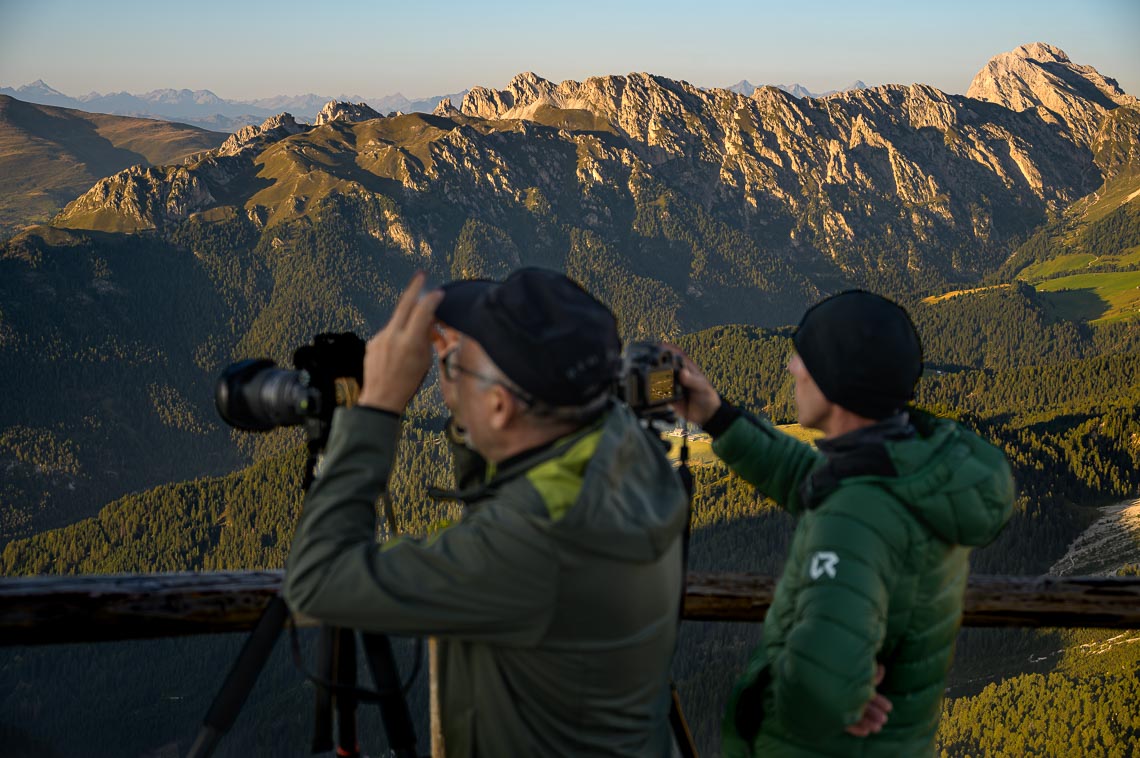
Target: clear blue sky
{"type": "Point", "coordinates": [244, 49]}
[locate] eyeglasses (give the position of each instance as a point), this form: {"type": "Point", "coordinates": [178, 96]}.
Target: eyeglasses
{"type": "Point", "coordinates": [450, 368]}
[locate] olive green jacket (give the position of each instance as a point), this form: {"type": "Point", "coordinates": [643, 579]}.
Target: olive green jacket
{"type": "Point", "coordinates": [875, 575]}
{"type": "Point", "coordinates": [555, 598]}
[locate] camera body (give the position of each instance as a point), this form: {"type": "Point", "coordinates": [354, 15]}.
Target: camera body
{"type": "Point", "coordinates": [650, 379]}
{"type": "Point", "coordinates": [257, 396]}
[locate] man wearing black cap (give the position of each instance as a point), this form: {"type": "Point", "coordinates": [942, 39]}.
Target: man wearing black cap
{"type": "Point", "coordinates": [556, 596]}
{"type": "Point", "coordinates": [861, 631]}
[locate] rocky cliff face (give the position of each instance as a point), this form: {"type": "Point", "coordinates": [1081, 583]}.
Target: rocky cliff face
{"type": "Point", "coordinates": [445, 108]}
{"type": "Point", "coordinates": [842, 159]}
{"type": "Point", "coordinates": [139, 198]}
{"type": "Point", "coordinates": [769, 193]}
{"type": "Point", "coordinates": [251, 137]}
{"type": "Point", "coordinates": [1041, 78]}
{"type": "Point", "coordinates": [339, 111]}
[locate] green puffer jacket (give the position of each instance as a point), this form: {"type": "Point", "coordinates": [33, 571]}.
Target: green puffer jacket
{"type": "Point", "coordinates": [555, 598]}
{"type": "Point", "coordinates": [876, 573]}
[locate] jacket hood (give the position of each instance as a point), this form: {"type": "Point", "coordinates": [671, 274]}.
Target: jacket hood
{"type": "Point", "coordinates": [953, 480]}
{"type": "Point", "coordinates": [621, 498]}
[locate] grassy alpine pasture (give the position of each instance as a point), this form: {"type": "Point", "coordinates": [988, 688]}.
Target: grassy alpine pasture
{"type": "Point", "coordinates": [1077, 262]}
{"type": "Point", "coordinates": [701, 452]}
{"type": "Point", "coordinates": [1096, 298]}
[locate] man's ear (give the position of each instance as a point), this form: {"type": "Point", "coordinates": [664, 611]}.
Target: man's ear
{"type": "Point", "coordinates": [503, 407]}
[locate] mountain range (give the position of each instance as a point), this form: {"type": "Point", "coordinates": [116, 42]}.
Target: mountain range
{"type": "Point", "coordinates": [886, 184]}
{"type": "Point", "coordinates": [204, 109]}
{"type": "Point", "coordinates": [746, 88]}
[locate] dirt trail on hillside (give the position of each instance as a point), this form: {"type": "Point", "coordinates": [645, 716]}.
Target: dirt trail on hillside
{"type": "Point", "coordinates": [1113, 541]}
{"type": "Point", "coordinates": [956, 293]}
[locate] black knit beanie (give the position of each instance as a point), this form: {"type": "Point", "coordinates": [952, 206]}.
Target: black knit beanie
{"type": "Point", "coordinates": [862, 351]}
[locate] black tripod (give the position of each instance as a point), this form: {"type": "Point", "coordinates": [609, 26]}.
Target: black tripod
{"type": "Point", "coordinates": [335, 680]}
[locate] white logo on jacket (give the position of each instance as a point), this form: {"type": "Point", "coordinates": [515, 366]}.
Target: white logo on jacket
{"type": "Point", "coordinates": [823, 563]}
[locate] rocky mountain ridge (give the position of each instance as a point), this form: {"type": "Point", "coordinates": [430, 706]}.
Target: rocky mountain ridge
{"type": "Point", "coordinates": [1041, 77]}
{"type": "Point", "coordinates": [903, 182]}
{"type": "Point", "coordinates": [340, 111]}
{"type": "Point", "coordinates": [272, 129]}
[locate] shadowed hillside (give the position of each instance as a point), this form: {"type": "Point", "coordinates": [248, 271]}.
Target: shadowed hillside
{"type": "Point", "coordinates": [49, 156]}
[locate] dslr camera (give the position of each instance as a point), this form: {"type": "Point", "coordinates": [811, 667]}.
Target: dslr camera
{"type": "Point", "coordinates": [649, 379]}
{"type": "Point", "coordinates": [255, 395]}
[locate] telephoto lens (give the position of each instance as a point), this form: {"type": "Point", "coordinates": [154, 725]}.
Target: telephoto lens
{"type": "Point", "coordinates": [256, 396]}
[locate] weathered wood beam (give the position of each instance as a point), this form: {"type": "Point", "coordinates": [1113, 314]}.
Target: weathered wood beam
{"type": "Point", "coordinates": [61, 609]}
{"type": "Point", "coordinates": [1011, 601]}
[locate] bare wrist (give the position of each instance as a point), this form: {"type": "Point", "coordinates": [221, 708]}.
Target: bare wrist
{"type": "Point", "coordinates": [382, 402]}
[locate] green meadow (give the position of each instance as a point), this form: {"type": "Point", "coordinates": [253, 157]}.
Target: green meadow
{"type": "Point", "coordinates": [1096, 298]}
{"type": "Point", "coordinates": [1076, 262]}
{"type": "Point", "coordinates": [701, 452]}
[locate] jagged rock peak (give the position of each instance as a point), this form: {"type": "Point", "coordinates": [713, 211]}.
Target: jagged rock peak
{"type": "Point", "coordinates": [1042, 78]}
{"type": "Point", "coordinates": [1041, 75]}
{"type": "Point", "coordinates": [1041, 51]}
{"type": "Point", "coordinates": [524, 89]}
{"type": "Point", "coordinates": [609, 97]}
{"type": "Point", "coordinates": [530, 82]}
{"type": "Point", "coordinates": [272, 128]}
{"type": "Point", "coordinates": [141, 197]}
{"type": "Point", "coordinates": [445, 108]}
{"type": "Point", "coordinates": [335, 110]}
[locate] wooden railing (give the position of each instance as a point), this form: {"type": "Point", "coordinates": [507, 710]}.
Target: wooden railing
{"type": "Point", "coordinates": [65, 609]}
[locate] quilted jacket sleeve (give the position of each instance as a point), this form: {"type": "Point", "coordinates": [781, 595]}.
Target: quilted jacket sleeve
{"type": "Point", "coordinates": [489, 577]}
{"type": "Point", "coordinates": [774, 462]}
{"type": "Point", "coordinates": [847, 563]}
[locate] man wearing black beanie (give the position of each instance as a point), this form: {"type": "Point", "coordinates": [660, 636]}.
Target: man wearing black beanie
{"type": "Point", "coordinates": [890, 502]}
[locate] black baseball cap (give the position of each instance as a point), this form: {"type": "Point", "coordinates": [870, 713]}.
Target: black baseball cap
{"type": "Point", "coordinates": [862, 351]}
{"type": "Point", "coordinates": [549, 336]}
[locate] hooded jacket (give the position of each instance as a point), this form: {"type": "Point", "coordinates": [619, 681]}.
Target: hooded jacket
{"type": "Point", "coordinates": [555, 598]}
{"type": "Point", "coordinates": [875, 575]}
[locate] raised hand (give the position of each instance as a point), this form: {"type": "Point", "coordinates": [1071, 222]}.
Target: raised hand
{"type": "Point", "coordinates": [398, 357]}
{"type": "Point", "coordinates": [701, 398]}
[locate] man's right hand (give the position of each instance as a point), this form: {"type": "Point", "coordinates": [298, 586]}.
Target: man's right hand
{"type": "Point", "coordinates": [875, 713]}
{"type": "Point", "coordinates": [701, 398]}
{"type": "Point", "coordinates": [398, 357]}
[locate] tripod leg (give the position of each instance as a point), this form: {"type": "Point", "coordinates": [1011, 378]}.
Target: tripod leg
{"type": "Point", "coordinates": [241, 678]}
{"type": "Point", "coordinates": [393, 706]}
{"type": "Point", "coordinates": [681, 733]}
{"type": "Point", "coordinates": [346, 743]}
{"type": "Point", "coordinates": [322, 698]}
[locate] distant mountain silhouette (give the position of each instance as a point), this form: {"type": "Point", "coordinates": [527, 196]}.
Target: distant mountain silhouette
{"type": "Point", "coordinates": [746, 88]}
{"type": "Point", "coordinates": [205, 109]}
